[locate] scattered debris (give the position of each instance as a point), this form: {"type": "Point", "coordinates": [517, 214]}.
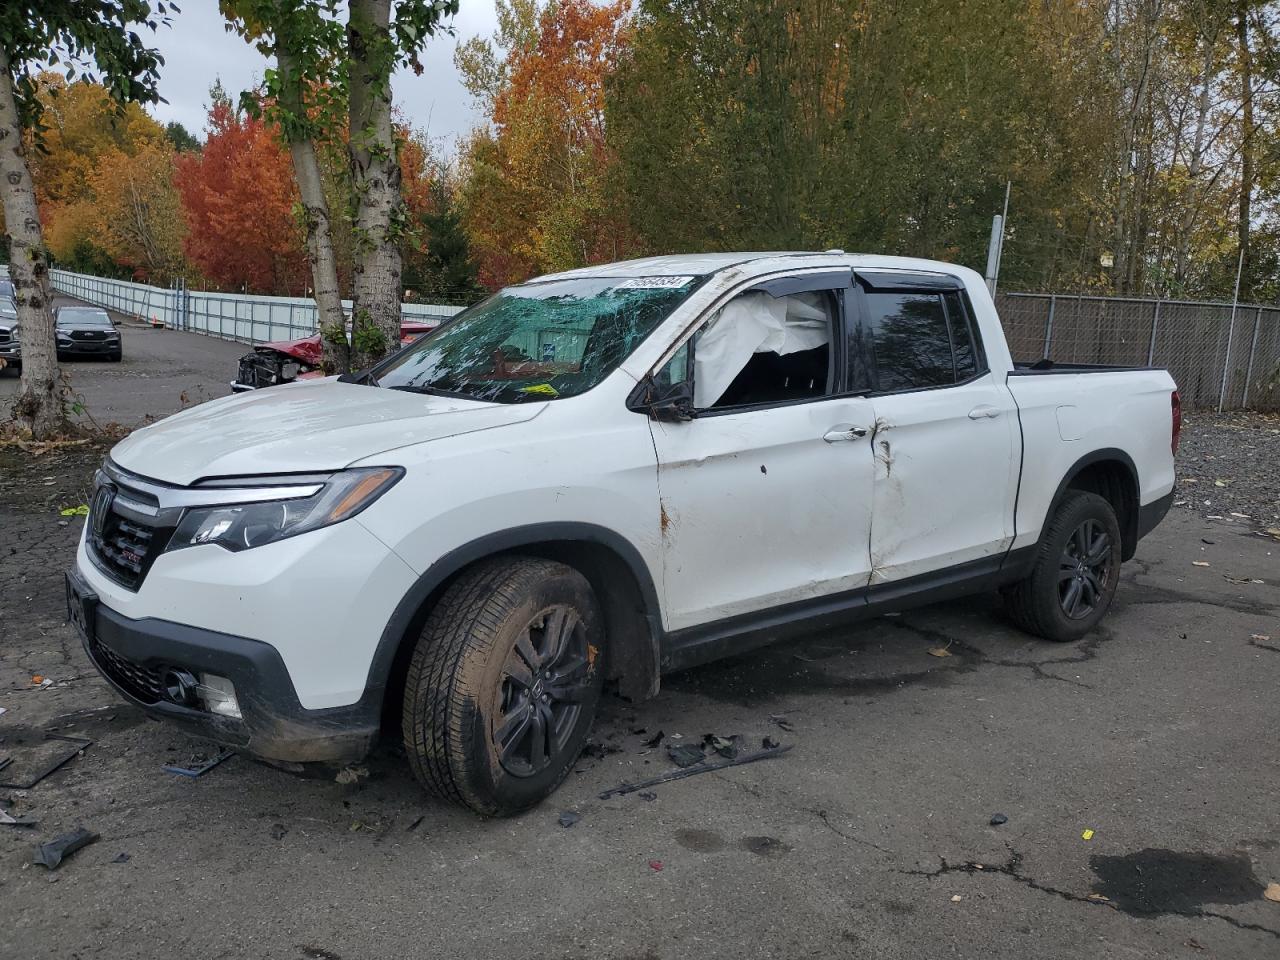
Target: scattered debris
{"type": "Point", "coordinates": [769, 743]}
{"type": "Point", "coordinates": [205, 767]}
{"type": "Point", "coordinates": [52, 854]}
{"type": "Point", "coordinates": [647, 795]}
{"type": "Point", "coordinates": [957, 898]}
{"type": "Point", "coordinates": [80, 511]}
{"type": "Point", "coordinates": [1208, 541]}
{"type": "Point", "coordinates": [655, 739]}
{"type": "Point", "coordinates": [725, 746]}
{"type": "Point", "coordinates": [655, 865]}
{"type": "Point", "coordinates": [3, 711]}
{"type": "Point", "coordinates": [352, 774]}
{"type": "Point", "coordinates": [569, 817]}
{"type": "Point", "coordinates": [77, 744]}
{"type": "Point", "coordinates": [1098, 898]}
{"type": "Point", "coordinates": [414, 826]}
{"type": "Point", "coordinates": [26, 820]}
{"type": "Point", "coordinates": [1230, 579]}
{"type": "Point", "coordinates": [693, 770]}
{"type": "Point", "coordinates": [278, 831]}
{"type": "Point", "coordinates": [598, 751]}
{"type": "Point", "coordinates": [1087, 835]}
{"type": "Point", "coordinates": [685, 754]}
{"type": "Point", "coordinates": [939, 651]}
{"type": "Point", "coordinates": [780, 720]}
{"type": "Point", "coordinates": [1272, 892]}
{"type": "Point", "coordinates": [998, 819]}
{"type": "Point", "coordinates": [1200, 563]}
{"type": "Point", "coordinates": [1260, 637]}
{"type": "Point", "coordinates": [122, 858]}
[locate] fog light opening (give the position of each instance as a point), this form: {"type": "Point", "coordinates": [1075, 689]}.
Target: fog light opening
{"type": "Point", "coordinates": [180, 688]}
{"type": "Point", "coordinates": [218, 695]}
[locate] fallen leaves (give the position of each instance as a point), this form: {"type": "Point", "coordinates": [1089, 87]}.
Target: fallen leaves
{"type": "Point", "coordinates": [939, 652]}
{"type": "Point", "coordinates": [1272, 892]}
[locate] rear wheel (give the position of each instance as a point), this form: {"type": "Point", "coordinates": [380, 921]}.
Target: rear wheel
{"type": "Point", "coordinates": [503, 684]}
{"type": "Point", "coordinates": [1076, 572]}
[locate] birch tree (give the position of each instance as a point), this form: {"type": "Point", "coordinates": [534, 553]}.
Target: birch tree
{"type": "Point", "coordinates": [89, 39]}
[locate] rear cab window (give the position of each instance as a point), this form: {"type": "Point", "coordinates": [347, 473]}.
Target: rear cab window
{"type": "Point", "coordinates": [920, 337]}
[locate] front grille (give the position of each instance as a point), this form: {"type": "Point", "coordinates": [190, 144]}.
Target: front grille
{"type": "Point", "coordinates": [142, 683]}
{"type": "Point", "coordinates": [88, 335]}
{"type": "Point", "coordinates": [4, 335]}
{"type": "Point", "coordinates": [122, 547]}
{"type": "Point", "coordinates": [260, 370]}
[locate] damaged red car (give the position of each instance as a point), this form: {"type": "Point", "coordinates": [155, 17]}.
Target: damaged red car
{"type": "Point", "coordinates": [284, 361]}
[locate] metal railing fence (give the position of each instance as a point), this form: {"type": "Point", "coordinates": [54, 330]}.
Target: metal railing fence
{"type": "Point", "coordinates": [230, 316]}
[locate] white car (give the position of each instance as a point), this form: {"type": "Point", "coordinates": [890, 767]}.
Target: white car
{"type": "Point", "coordinates": [604, 475]}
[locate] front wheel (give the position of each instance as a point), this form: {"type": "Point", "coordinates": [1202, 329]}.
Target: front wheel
{"type": "Point", "coordinates": [1076, 572]}
{"type": "Point", "coordinates": [503, 684]}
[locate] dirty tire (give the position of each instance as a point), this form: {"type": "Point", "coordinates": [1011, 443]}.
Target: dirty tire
{"type": "Point", "coordinates": [1036, 604]}
{"type": "Point", "coordinates": [459, 681]}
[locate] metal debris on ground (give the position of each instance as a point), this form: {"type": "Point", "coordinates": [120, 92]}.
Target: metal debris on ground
{"type": "Point", "coordinates": [414, 826]}
{"type": "Point", "coordinates": [1272, 892]}
{"type": "Point", "coordinates": [655, 739]}
{"type": "Point", "coordinates": [568, 818]}
{"type": "Point", "coordinates": [769, 743]}
{"type": "Point", "coordinates": [998, 818]}
{"type": "Point", "coordinates": [725, 746]}
{"type": "Point", "coordinates": [52, 854]}
{"type": "Point", "coordinates": [122, 858]}
{"type": "Point", "coordinates": [202, 769]}
{"type": "Point", "coordinates": [352, 774]}
{"type": "Point", "coordinates": [685, 754]}
{"type": "Point", "coordinates": [647, 795]}
{"type": "Point", "coordinates": [704, 767]}
{"type": "Point", "coordinates": [26, 820]}
{"type": "Point", "coordinates": [655, 865]}
{"type": "Point", "coordinates": [77, 744]}
{"type": "Point", "coordinates": [781, 721]}
{"type": "Point", "coordinates": [1087, 835]}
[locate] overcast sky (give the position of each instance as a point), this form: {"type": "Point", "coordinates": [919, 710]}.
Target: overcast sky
{"type": "Point", "coordinates": [197, 50]}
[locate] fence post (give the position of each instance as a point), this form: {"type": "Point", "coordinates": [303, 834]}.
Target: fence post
{"type": "Point", "coordinates": [1226, 361]}
{"type": "Point", "coordinates": [1253, 349]}
{"type": "Point", "coordinates": [1155, 325]}
{"type": "Point", "coordinates": [1048, 326]}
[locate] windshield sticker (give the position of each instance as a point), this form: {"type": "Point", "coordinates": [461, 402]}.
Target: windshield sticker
{"type": "Point", "coordinates": [654, 283]}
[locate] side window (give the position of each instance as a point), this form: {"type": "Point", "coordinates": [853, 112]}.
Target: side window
{"type": "Point", "coordinates": [912, 342]}
{"type": "Point", "coordinates": [760, 349]}
{"type": "Point", "coordinates": [676, 370]}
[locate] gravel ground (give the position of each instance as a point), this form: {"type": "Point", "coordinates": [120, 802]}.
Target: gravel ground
{"type": "Point", "coordinates": [1229, 467]}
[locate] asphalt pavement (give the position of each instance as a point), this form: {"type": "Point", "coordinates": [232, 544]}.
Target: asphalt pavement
{"type": "Point", "coordinates": [1135, 775]}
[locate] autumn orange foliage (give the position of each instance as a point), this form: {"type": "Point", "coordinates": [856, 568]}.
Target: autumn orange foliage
{"type": "Point", "coordinates": [238, 195]}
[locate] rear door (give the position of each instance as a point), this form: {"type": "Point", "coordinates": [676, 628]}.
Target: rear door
{"type": "Point", "coordinates": [946, 430]}
{"type": "Point", "coordinates": [766, 492]}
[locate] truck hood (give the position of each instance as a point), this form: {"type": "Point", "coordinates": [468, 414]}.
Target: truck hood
{"type": "Point", "coordinates": [300, 428]}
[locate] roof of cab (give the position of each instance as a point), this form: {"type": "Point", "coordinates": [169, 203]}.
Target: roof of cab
{"type": "Point", "coordinates": [700, 264]}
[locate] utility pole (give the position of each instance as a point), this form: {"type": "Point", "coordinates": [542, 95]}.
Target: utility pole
{"type": "Point", "coordinates": [995, 247]}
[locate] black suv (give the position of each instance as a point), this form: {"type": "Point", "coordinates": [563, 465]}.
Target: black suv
{"type": "Point", "coordinates": [86, 331]}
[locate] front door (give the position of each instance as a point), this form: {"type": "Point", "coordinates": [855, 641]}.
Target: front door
{"type": "Point", "coordinates": [766, 493]}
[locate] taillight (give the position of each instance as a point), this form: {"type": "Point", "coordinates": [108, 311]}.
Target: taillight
{"type": "Point", "coordinates": [1176, 402]}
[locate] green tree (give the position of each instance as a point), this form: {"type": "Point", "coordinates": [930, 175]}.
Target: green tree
{"type": "Point", "coordinates": [91, 39]}
{"type": "Point", "coordinates": [183, 140]}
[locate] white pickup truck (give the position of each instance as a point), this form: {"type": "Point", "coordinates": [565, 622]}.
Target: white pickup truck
{"type": "Point", "coordinates": [604, 475]}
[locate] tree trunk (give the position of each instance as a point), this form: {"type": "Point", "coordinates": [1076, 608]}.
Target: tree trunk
{"type": "Point", "coordinates": [331, 322]}
{"type": "Point", "coordinates": [1246, 144]}
{"type": "Point", "coordinates": [375, 174]}
{"type": "Point", "coordinates": [1191, 204]}
{"type": "Point", "coordinates": [40, 404]}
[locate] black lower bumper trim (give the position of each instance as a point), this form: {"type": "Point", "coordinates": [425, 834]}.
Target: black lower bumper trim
{"type": "Point", "coordinates": [1150, 514]}
{"type": "Point", "coordinates": [275, 725]}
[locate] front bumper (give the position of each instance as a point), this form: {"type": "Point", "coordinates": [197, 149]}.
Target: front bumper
{"type": "Point", "coordinates": [11, 351]}
{"type": "Point", "coordinates": [134, 654]}
{"type": "Point", "coordinates": [89, 347]}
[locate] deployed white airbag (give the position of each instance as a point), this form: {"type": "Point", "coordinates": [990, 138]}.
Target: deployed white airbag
{"type": "Point", "coordinates": [754, 323]}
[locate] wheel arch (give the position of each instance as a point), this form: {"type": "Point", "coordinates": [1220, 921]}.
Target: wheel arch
{"type": "Point", "coordinates": [1111, 474]}
{"type": "Point", "coordinates": [611, 564]}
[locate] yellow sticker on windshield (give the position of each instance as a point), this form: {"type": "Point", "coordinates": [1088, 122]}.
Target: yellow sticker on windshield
{"type": "Point", "coordinates": [542, 389]}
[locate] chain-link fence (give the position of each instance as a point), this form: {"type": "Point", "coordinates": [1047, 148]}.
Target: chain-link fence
{"type": "Point", "coordinates": [1219, 355]}
{"type": "Point", "coordinates": [230, 316]}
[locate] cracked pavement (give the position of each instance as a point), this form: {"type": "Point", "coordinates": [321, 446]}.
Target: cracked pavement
{"type": "Point", "coordinates": [871, 838]}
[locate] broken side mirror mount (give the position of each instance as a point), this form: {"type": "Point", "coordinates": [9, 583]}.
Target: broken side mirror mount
{"type": "Point", "coordinates": [673, 404]}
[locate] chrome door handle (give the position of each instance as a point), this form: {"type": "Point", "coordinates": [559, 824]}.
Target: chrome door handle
{"type": "Point", "coordinates": [844, 431]}
{"type": "Point", "coordinates": [984, 412]}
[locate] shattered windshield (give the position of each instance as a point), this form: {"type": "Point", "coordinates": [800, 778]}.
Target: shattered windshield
{"type": "Point", "coordinates": [538, 341]}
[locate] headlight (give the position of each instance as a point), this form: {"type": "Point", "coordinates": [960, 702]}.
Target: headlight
{"type": "Point", "coordinates": [245, 525]}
